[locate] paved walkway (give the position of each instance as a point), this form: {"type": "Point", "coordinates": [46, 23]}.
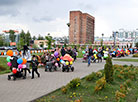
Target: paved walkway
{"type": "Point", "coordinates": [30, 89]}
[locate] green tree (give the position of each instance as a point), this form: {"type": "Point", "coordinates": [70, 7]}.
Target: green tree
{"type": "Point", "coordinates": [2, 41]}
{"type": "Point", "coordinates": [12, 35]}
{"type": "Point", "coordinates": [20, 44]}
{"type": "Point", "coordinates": [49, 40]}
{"type": "Point", "coordinates": [40, 37]}
{"type": "Point", "coordinates": [27, 38]}
{"type": "Point", "coordinates": [22, 35]}
{"type": "Point", "coordinates": [136, 44]}
{"type": "Point", "coordinates": [34, 38]}
{"type": "Point", "coordinates": [101, 42]}
{"type": "Point", "coordinates": [108, 70]}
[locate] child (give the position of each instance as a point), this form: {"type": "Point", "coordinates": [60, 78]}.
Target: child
{"type": "Point", "coordinates": [34, 67]}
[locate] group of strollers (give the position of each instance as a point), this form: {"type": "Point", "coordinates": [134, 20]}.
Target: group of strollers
{"type": "Point", "coordinates": [52, 62]}
{"type": "Point", "coordinates": [98, 55]}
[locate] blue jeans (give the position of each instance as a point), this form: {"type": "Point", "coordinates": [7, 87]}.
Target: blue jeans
{"type": "Point", "coordinates": [89, 60]}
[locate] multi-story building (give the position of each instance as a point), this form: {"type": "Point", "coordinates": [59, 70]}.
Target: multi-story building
{"type": "Point", "coordinates": [81, 28]}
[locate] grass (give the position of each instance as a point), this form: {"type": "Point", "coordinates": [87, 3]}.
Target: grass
{"type": "Point", "coordinates": [127, 60]}
{"type": "Point", "coordinates": [80, 54]}
{"type": "Point", "coordinates": [135, 55]}
{"type": "Point", "coordinates": [3, 66]}
{"type": "Point", "coordinates": [86, 92]}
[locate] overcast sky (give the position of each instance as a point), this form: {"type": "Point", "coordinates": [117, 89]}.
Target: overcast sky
{"type": "Point", "coordinates": [51, 16]}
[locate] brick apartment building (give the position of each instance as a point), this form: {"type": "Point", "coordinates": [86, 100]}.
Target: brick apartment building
{"type": "Point", "coordinates": [81, 28]}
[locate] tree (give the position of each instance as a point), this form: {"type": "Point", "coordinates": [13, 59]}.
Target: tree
{"type": "Point", "coordinates": [49, 41]}
{"type": "Point", "coordinates": [12, 35]}
{"type": "Point", "coordinates": [34, 38]}
{"type": "Point", "coordinates": [40, 37]}
{"type": "Point", "coordinates": [136, 44]}
{"type": "Point", "coordinates": [101, 42]}
{"type": "Point", "coordinates": [108, 70]}
{"type": "Point", "coordinates": [20, 44]}
{"type": "Point", "coordinates": [2, 41]}
{"type": "Point", "coordinates": [22, 35]}
{"type": "Point", "coordinates": [27, 38]}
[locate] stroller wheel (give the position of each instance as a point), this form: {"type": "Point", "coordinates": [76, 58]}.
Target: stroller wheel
{"type": "Point", "coordinates": [14, 78]}
{"type": "Point", "coordinates": [51, 69]}
{"type": "Point", "coordinates": [55, 68]}
{"type": "Point", "coordinates": [63, 69]}
{"type": "Point", "coordinates": [67, 69]}
{"type": "Point", "coordinates": [45, 70]}
{"type": "Point", "coordinates": [9, 78]}
{"type": "Point", "coordinates": [72, 69]}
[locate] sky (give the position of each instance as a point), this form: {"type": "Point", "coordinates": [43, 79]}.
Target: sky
{"type": "Point", "coordinates": [51, 16]}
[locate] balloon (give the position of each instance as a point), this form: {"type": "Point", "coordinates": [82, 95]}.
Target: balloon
{"type": "Point", "coordinates": [55, 53]}
{"type": "Point", "coordinates": [24, 61]}
{"type": "Point", "coordinates": [67, 63]}
{"type": "Point", "coordinates": [61, 57]}
{"type": "Point", "coordinates": [20, 66]}
{"type": "Point", "coordinates": [24, 66]}
{"type": "Point", "coordinates": [8, 58]}
{"type": "Point", "coordinates": [71, 62]}
{"type": "Point", "coordinates": [56, 64]}
{"type": "Point", "coordinates": [9, 64]}
{"type": "Point", "coordinates": [70, 59]}
{"type": "Point", "coordinates": [20, 61]}
{"type": "Point", "coordinates": [83, 52]}
{"type": "Point", "coordinates": [58, 59]}
{"type": "Point", "coordinates": [14, 70]}
{"type": "Point", "coordinates": [10, 53]}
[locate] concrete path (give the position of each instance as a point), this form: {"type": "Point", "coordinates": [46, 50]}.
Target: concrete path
{"type": "Point", "coordinates": [30, 89]}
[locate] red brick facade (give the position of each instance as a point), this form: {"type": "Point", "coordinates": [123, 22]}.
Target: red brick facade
{"type": "Point", "coordinates": [81, 30]}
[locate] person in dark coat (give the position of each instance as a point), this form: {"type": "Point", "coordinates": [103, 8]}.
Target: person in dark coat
{"type": "Point", "coordinates": [34, 67]}
{"type": "Point", "coordinates": [90, 54]}
{"type": "Point", "coordinates": [70, 52]}
{"type": "Point", "coordinates": [63, 52]}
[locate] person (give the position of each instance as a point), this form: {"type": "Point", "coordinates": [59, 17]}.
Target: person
{"type": "Point", "coordinates": [90, 54]}
{"type": "Point", "coordinates": [34, 66]}
{"type": "Point", "coordinates": [69, 51]}
{"type": "Point", "coordinates": [63, 52]}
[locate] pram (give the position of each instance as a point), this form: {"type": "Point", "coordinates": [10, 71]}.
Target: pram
{"type": "Point", "coordinates": [51, 64]}
{"type": "Point", "coordinates": [67, 62]}
{"type": "Point", "coordinates": [16, 73]}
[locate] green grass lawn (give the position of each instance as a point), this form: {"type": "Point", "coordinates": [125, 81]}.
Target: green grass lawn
{"type": "Point", "coordinates": [127, 60]}
{"type": "Point", "coordinates": [85, 92]}
{"type": "Point", "coordinates": [135, 55]}
{"type": "Point", "coordinates": [3, 66]}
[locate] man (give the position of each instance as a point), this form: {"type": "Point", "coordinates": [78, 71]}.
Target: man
{"type": "Point", "coordinates": [90, 54]}
{"type": "Point", "coordinates": [69, 51]}
{"type": "Point", "coordinates": [63, 52]}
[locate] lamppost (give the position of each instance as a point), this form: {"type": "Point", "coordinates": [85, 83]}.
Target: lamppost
{"type": "Point", "coordinates": [102, 38]}
{"type": "Point", "coordinates": [114, 36]}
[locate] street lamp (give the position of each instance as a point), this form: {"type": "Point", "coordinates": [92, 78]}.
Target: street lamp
{"type": "Point", "coordinates": [114, 36]}
{"type": "Point", "coordinates": [102, 38]}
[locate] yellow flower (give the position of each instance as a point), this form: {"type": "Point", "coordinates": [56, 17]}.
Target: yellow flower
{"type": "Point", "coordinates": [106, 96]}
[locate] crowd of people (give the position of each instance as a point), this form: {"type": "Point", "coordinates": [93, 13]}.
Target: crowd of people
{"type": "Point", "coordinates": [63, 56]}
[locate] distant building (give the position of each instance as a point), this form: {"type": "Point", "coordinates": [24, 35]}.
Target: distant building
{"type": "Point", "coordinates": [61, 40]}
{"type": "Point", "coordinates": [40, 42]}
{"type": "Point", "coordinates": [81, 28]}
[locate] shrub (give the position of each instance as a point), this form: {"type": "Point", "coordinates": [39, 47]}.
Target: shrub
{"type": "Point", "coordinates": [99, 74]}
{"type": "Point", "coordinates": [100, 84]}
{"type": "Point", "coordinates": [119, 95]}
{"type": "Point", "coordinates": [108, 70]}
{"type": "Point", "coordinates": [90, 77]}
{"type": "Point", "coordinates": [64, 90]}
{"type": "Point", "coordinates": [135, 55]}
{"type": "Point", "coordinates": [125, 65]}
{"type": "Point", "coordinates": [74, 83]}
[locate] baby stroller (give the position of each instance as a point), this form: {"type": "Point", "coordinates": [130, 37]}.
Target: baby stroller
{"type": "Point", "coordinates": [16, 73]}
{"type": "Point", "coordinates": [50, 65]}
{"type": "Point", "coordinates": [67, 68]}
{"type": "Point", "coordinates": [67, 62]}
